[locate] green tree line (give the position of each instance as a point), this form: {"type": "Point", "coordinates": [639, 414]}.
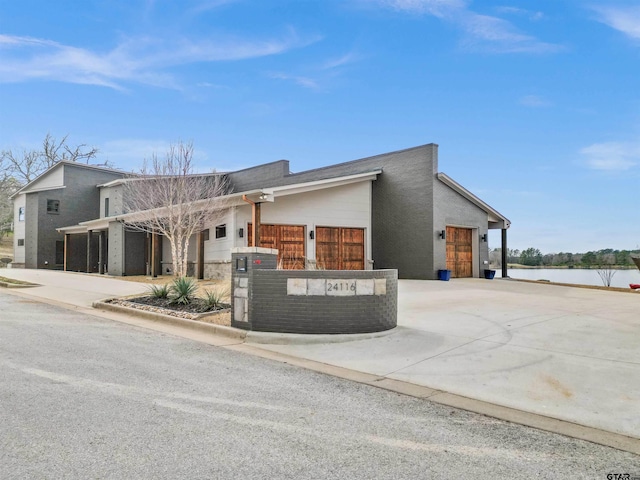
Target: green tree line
{"type": "Point", "coordinates": [535, 258]}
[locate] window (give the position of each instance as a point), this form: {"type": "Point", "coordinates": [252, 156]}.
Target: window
{"type": "Point", "coordinates": [106, 207]}
{"type": "Point", "coordinates": [21, 214]}
{"type": "Point", "coordinates": [53, 206]}
{"type": "Point", "coordinates": [221, 231]}
{"type": "Point", "coordinates": [21, 242]}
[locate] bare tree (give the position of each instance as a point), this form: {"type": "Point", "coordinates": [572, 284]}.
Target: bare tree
{"type": "Point", "coordinates": [26, 165]}
{"type": "Point", "coordinates": [171, 200]}
{"type": "Point", "coordinates": [605, 269]}
{"type": "Point", "coordinates": [8, 186]}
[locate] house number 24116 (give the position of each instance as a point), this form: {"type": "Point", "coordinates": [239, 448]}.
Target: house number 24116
{"type": "Point", "coordinates": [341, 287]}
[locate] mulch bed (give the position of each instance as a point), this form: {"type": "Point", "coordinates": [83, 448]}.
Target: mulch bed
{"type": "Point", "coordinates": [196, 306]}
{"type": "Point", "coordinates": [194, 310]}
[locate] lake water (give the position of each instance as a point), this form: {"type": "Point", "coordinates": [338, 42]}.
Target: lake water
{"type": "Point", "coordinates": [580, 276]}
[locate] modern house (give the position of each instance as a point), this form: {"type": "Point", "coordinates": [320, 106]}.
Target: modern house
{"type": "Point", "coordinates": [63, 195]}
{"type": "Point", "coordinates": [394, 210]}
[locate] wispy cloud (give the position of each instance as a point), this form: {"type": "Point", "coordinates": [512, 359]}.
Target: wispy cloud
{"type": "Point", "coordinates": [530, 14]}
{"type": "Point", "coordinates": [480, 32]}
{"type": "Point", "coordinates": [138, 60]}
{"type": "Point", "coordinates": [535, 101]}
{"type": "Point", "coordinates": [623, 19]}
{"type": "Point", "coordinates": [207, 5]}
{"type": "Point", "coordinates": [306, 82]}
{"type": "Point", "coordinates": [438, 8]}
{"type": "Point", "coordinates": [612, 155]}
{"type": "Point", "coordinates": [318, 75]}
{"type": "Point", "coordinates": [341, 61]}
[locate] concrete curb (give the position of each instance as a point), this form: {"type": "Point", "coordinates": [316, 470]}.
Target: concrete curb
{"type": "Point", "coordinates": [237, 333]}
{"type": "Point", "coordinates": [174, 321]}
{"type": "Point", "coordinates": [310, 339]}
{"type": "Point", "coordinates": [17, 285]}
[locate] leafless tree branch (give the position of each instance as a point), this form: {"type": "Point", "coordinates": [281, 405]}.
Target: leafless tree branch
{"type": "Point", "coordinates": [171, 200]}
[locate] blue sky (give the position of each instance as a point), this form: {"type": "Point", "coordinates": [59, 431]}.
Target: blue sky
{"type": "Point", "coordinates": [535, 104]}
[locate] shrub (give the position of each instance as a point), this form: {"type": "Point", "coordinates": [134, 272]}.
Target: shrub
{"type": "Point", "coordinates": [182, 290]}
{"type": "Point", "coordinates": [213, 299]}
{"type": "Point", "coordinates": [159, 291]}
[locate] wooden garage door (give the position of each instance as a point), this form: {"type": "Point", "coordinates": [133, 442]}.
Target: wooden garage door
{"type": "Point", "coordinates": [288, 239]}
{"type": "Point", "coordinates": [339, 248]}
{"type": "Point", "coordinates": [459, 252]}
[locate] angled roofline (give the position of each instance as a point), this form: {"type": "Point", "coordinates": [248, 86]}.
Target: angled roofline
{"type": "Point", "coordinates": [62, 163]}
{"type": "Point", "coordinates": [134, 177]}
{"type": "Point", "coordinates": [351, 162]}
{"type": "Point", "coordinates": [451, 183]}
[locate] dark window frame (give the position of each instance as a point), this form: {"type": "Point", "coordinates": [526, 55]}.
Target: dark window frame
{"type": "Point", "coordinates": [106, 206]}
{"type": "Point", "coordinates": [21, 214]}
{"type": "Point", "coordinates": [53, 206]}
{"type": "Point", "coordinates": [221, 231]}
{"type": "Point", "coordinates": [21, 242]}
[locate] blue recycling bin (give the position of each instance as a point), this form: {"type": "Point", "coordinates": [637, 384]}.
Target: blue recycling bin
{"type": "Point", "coordinates": [489, 274]}
{"type": "Point", "coordinates": [444, 275]}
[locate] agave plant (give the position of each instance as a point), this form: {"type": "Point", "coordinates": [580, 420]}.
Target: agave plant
{"type": "Point", "coordinates": [159, 291]}
{"type": "Point", "coordinates": [182, 290]}
{"type": "Point", "coordinates": [213, 299]}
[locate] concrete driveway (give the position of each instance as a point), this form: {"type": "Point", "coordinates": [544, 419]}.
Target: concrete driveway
{"type": "Point", "coordinates": [70, 288]}
{"type": "Point", "coordinates": [562, 352]}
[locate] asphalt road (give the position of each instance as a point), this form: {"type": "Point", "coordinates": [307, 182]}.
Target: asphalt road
{"type": "Point", "coordinates": [84, 397]}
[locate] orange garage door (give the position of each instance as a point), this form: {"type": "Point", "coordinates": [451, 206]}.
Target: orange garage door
{"type": "Point", "coordinates": [339, 248]}
{"type": "Point", "coordinates": [459, 252]}
{"type": "Point", "coordinates": [288, 239]}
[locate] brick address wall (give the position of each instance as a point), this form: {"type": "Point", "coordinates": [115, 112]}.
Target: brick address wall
{"type": "Point", "coordinates": [271, 309]}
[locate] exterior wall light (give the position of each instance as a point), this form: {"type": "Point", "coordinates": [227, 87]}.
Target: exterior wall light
{"type": "Point", "coordinates": [241, 232]}
{"type": "Point", "coordinates": [484, 238]}
{"type": "Point", "coordinates": [311, 235]}
{"type": "Point", "coordinates": [443, 234]}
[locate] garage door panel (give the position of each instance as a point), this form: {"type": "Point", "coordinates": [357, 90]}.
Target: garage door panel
{"type": "Point", "coordinates": [289, 240]}
{"type": "Point", "coordinates": [460, 252]}
{"type": "Point", "coordinates": [340, 248]}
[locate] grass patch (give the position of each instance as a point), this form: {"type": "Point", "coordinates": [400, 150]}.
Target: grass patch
{"type": "Point", "coordinates": [13, 281]}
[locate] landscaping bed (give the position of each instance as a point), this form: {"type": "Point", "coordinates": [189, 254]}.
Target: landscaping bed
{"type": "Point", "coordinates": [182, 299]}
{"type": "Point", "coordinates": [191, 311]}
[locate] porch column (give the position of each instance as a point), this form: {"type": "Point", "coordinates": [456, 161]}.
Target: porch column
{"type": "Point", "coordinates": [200, 256]}
{"type": "Point", "coordinates": [66, 246]}
{"type": "Point", "coordinates": [504, 253]}
{"type": "Point", "coordinates": [256, 225]}
{"type": "Point", "coordinates": [156, 268]}
{"type": "Point", "coordinates": [89, 234]}
{"type": "Point", "coordinates": [101, 253]}
{"type": "Point", "coordinates": [153, 255]}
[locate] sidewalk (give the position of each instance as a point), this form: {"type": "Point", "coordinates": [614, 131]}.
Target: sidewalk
{"type": "Point", "coordinates": [561, 352]}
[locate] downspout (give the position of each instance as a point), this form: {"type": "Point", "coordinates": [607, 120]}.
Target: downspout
{"type": "Point", "coordinates": [255, 221]}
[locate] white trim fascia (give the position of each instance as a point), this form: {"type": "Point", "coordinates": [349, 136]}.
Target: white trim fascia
{"type": "Point", "coordinates": [305, 187]}
{"type": "Point", "coordinates": [72, 229]}
{"type": "Point", "coordinates": [494, 215]}
{"type": "Point", "coordinates": [43, 189]}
